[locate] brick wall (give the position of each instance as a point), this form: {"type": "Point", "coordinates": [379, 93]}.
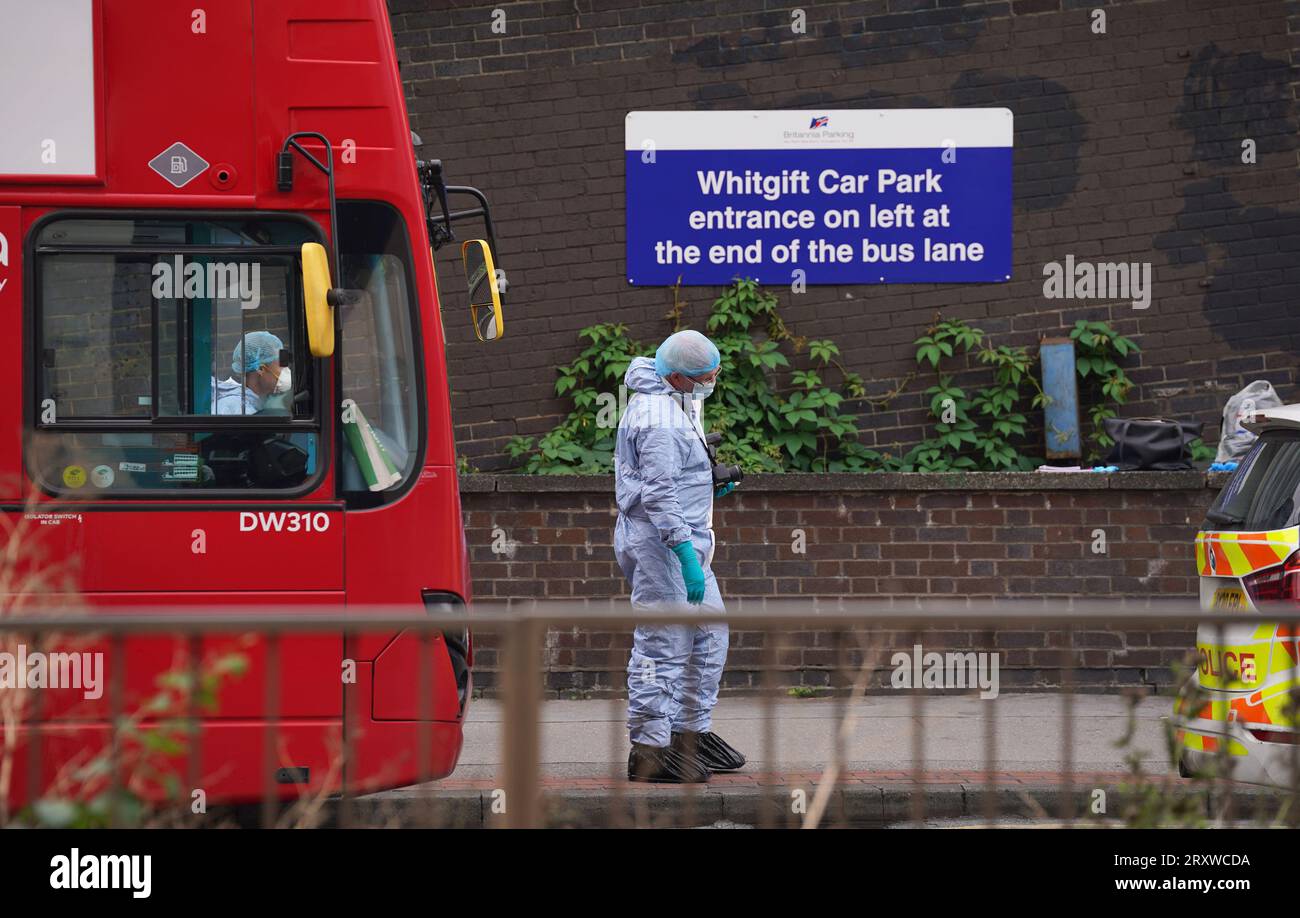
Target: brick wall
{"type": "Point", "coordinates": [1128, 147]}
{"type": "Point", "coordinates": [869, 536]}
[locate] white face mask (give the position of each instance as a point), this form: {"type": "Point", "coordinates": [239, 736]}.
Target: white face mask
{"type": "Point", "coordinates": [702, 391]}
{"type": "Point", "coordinates": [284, 383]}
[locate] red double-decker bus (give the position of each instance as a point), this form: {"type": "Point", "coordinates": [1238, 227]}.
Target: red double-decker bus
{"type": "Point", "coordinates": [224, 372]}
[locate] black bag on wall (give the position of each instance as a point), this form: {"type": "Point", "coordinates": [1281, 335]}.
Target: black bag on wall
{"type": "Point", "coordinates": [1151, 444]}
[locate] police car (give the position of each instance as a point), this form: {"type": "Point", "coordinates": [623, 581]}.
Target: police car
{"type": "Point", "coordinates": [1235, 710]}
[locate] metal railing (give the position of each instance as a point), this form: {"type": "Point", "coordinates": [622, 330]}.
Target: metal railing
{"type": "Point", "coordinates": [861, 631]}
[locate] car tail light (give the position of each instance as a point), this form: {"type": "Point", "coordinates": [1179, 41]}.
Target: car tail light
{"type": "Point", "coordinates": [1274, 736]}
{"type": "Point", "coordinates": [1277, 584]}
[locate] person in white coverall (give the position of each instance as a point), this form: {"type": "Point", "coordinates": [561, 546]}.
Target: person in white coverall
{"type": "Point", "coordinates": [664, 543]}
{"type": "Point", "coordinates": [258, 383]}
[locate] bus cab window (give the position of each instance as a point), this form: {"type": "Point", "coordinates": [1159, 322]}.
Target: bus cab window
{"type": "Point", "coordinates": [177, 360]}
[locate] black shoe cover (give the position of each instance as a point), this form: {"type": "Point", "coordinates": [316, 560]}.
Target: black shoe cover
{"type": "Point", "coordinates": [663, 765]}
{"type": "Point", "coordinates": [712, 751]}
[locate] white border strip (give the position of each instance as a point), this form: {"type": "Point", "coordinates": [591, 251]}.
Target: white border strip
{"type": "Point", "coordinates": [869, 129]}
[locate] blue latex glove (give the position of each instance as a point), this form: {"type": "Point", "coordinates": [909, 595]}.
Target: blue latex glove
{"type": "Point", "coordinates": [725, 489]}
{"type": "Point", "coordinates": [692, 573]}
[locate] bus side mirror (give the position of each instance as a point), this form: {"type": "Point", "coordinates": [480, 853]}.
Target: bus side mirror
{"type": "Point", "coordinates": [484, 292]}
{"type": "Point", "coordinates": [316, 290]}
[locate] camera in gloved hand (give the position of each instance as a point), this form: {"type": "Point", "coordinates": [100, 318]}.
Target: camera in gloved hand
{"type": "Point", "coordinates": [725, 477]}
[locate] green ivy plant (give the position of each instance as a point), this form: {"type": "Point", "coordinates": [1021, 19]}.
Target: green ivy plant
{"type": "Point", "coordinates": [767, 428]}
{"type": "Point", "coordinates": [776, 417]}
{"type": "Point", "coordinates": [583, 443]}
{"type": "Point", "coordinates": [1097, 352]}
{"type": "Point", "coordinates": [985, 429]}
{"type": "Point", "coordinates": [772, 417]}
{"type": "Point", "coordinates": [1201, 451]}
{"type": "Point", "coordinates": [977, 431]}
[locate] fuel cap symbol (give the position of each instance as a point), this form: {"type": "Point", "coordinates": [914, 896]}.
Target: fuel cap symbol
{"type": "Point", "coordinates": [178, 164]}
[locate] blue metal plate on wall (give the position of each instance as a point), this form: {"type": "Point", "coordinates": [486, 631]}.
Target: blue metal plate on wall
{"type": "Point", "coordinates": [1061, 385]}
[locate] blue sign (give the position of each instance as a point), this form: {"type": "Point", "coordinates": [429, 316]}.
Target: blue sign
{"type": "Point", "coordinates": [840, 197]}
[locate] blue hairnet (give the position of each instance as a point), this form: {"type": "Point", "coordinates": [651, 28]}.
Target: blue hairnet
{"type": "Point", "coordinates": [686, 352]}
{"type": "Point", "coordinates": [256, 350]}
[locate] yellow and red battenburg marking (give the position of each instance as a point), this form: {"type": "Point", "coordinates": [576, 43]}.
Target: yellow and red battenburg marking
{"type": "Point", "coordinates": [1266, 707]}
{"type": "Point", "coordinates": [1239, 553]}
{"type": "Point", "coordinates": [1202, 743]}
{"type": "Point", "coordinates": [1270, 650]}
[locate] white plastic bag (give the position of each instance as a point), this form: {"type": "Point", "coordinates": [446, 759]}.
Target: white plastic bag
{"type": "Point", "coordinates": [1236, 440]}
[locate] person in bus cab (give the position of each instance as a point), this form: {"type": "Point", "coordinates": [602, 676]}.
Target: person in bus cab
{"type": "Point", "coordinates": [663, 539]}
{"type": "Point", "coordinates": [264, 382]}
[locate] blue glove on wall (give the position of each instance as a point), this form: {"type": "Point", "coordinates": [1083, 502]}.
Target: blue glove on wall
{"type": "Point", "coordinates": [725, 489]}
{"type": "Point", "coordinates": [692, 573]}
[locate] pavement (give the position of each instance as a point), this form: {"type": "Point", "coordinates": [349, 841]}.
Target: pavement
{"type": "Point", "coordinates": [588, 739]}
{"type": "Point", "coordinates": [584, 754]}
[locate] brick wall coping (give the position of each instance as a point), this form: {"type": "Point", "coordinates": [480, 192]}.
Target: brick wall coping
{"type": "Point", "coordinates": [879, 481]}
